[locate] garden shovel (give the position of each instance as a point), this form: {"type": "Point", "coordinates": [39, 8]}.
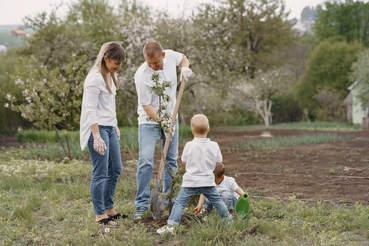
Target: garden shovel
{"type": "Point", "coordinates": [157, 203]}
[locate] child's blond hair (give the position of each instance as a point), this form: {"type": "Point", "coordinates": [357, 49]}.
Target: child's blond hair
{"type": "Point", "coordinates": [200, 124]}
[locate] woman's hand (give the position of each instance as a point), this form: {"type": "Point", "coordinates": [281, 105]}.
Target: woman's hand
{"type": "Point", "coordinates": [99, 144]}
{"type": "Point", "coordinates": [118, 132]}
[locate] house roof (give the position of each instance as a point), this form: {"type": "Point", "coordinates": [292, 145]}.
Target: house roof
{"type": "Point", "coordinates": [352, 86]}
{"type": "Point", "coordinates": [348, 99]}
{"type": "Point", "coordinates": [19, 32]}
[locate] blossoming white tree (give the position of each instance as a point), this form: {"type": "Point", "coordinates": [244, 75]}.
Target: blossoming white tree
{"type": "Point", "coordinates": [265, 86]}
{"type": "Point", "coordinates": [50, 96]}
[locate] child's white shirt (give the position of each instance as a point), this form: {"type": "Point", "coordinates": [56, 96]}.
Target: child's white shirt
{"type": "Point", "coordinates": [201, 156]}
{"type": "Point", "coordinates": [228, 184]}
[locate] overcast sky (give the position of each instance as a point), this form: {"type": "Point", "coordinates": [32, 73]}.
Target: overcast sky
{"type": "Point", "coordinates": [13, 11]}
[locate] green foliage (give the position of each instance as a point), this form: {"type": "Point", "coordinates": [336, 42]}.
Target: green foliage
{"type": "Point", "coordinates": [278, 142]}
{"type": "Point", "coordinates": [329, 66]}
{"type": "Point", "coordinates": [312, 126]}
{"type": "Point", "coordinates": [50, 96]}
{"type": "Point", "coordinates": [360, 75]}
{"type": "Point", "coordinates": [318, 126]}
{"type": "Point", "coordinates": [286, 109]}
{"type": "Point", "coordinates": [43, 136]}
{"type": "Point", "coordinates": [343, 20]}
{"type": "Point", "coordinates": [10, 120]}
{"type": "Point", "coordinates": [236, 116]}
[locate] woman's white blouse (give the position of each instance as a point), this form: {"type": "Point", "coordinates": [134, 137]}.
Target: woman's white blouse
{"type": "Point", "coordinates": [98, 105]}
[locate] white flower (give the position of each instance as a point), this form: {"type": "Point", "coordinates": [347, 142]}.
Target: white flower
{"type": "Point", "coordinates": [9, 97]}
{"type": "Point", "coordinates": [6, 105]}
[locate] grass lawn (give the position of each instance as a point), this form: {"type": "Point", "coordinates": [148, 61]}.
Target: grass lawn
{"type": "Point", "coordinates": [45, 200]}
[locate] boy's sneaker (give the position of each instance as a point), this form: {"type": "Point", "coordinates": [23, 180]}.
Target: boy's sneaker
{"type": "Point", "coordinates": [139, 213]}
{"type": "Point", "coordinates": [165, 229]}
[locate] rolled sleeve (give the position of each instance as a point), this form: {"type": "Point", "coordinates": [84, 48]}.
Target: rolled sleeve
{"type": "Point", "coordinates": [92, 98]}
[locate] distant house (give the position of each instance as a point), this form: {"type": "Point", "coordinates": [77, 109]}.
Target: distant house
{"type": "Point", "coordinates": [3, 49]}
{"type": "Point", "coordinates": [355, 111]}
{"type": "Point", "coordinates": [18, 33]}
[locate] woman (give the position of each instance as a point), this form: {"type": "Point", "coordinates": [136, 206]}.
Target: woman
{"type": "Point", "coordinates": [99, 130]}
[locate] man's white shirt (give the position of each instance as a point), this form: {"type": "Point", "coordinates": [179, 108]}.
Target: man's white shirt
{"type": "Point", "coordinates": [144, 83]}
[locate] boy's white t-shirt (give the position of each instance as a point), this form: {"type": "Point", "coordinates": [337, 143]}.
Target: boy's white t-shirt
{"type": "Point", "coordinates": [144, 83]}
{"type": "Point", "coordinates": [228, 184]}
{"type": "Point", "coordinates": [201, 156]}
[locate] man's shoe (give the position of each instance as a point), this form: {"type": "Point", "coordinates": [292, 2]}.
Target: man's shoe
{"type": "Point", "coordinates": [139, 213]}
{"type": "Point", "coordinates": [165, 229]}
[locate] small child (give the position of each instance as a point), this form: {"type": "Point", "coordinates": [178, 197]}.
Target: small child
{"type": "Point", "coordinates": [200, 157]}
{"type": "Point", "coordinates": [227, 188]}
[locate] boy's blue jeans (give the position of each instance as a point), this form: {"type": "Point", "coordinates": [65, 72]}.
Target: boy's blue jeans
{"type": "Point", "coordinates": [106, 170]}
{"type": "Point", "coordinates": [228, 197]}
{"type": "Point", "coordinates": [186, 193]}
{"type": "Point", "coordinates": [148, 135]}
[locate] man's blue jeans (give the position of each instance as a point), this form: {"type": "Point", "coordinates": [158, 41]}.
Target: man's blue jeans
{"type": "Point", "coordinates": [186, 193]}
{"type": "Point", "coordinates": [148, 135]}
{"type": "Point", "coordinates": [106, 170]}
{"type": "Point", "coordinates": [227, 196]}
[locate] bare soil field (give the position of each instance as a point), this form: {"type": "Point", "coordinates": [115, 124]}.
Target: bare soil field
{"type": "Point", "coordinates": [336, 172]}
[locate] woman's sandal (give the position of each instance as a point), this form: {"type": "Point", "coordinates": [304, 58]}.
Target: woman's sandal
{"type": "Point", "coordinates": [106, 222]}
{"type": "Point", "coordinates": [118, 216]}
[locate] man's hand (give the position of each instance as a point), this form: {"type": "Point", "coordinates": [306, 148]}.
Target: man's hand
{"type": "Point", "coordinates": [99, 144]}
{"type": "Point", "coordinates": [118, 132]}
{"type": "Point", "coordinates": [185, 73]}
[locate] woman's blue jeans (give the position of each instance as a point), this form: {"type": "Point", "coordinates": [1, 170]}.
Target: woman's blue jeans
{"type": "Point", "coordinates": [186, 193]}
{"type": "Point", "coordinates": [106, 170]}
{"type": "Point", "coordinates": [148, 135]}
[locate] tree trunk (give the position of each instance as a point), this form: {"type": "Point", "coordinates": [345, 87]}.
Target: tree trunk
{"type": "Point", "coordinates": [265, 111]}
{"type": "Point", "coordinates": [182, 117]}
{"type": "Point", "coordinates": [198, 109]}
{"type": "Point", "coordinates": [130, 113]}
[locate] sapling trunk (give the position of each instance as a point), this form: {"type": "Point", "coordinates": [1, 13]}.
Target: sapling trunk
{"type": "Point", "coordinates": [61, 142]}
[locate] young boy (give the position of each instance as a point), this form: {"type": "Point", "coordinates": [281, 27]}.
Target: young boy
{"type": "Point", "coordinates": [227, 188]}
{"type": "Point", "coordinates": [200, 157]}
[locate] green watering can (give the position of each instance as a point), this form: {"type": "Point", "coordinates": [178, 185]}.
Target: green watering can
{"type": "Point", "coordinates": [242, 207]}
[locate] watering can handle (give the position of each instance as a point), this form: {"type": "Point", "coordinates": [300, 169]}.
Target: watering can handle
{"type": "Point", "coordinates": [169, 135]}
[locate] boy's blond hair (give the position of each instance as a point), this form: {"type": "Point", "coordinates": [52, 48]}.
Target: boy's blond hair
{"type": "Point", "coordinates": [219, 171]}
{"type": "Point", "coordinates": [200, 124]}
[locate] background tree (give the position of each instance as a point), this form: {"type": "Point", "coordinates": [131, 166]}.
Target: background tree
{"type": "Point", "coordinates": [135, 31]}
{"type": "Point", "coordinates": [360, 74]}
{"type": "Point", "coordinates": [50, 97]}
{"type": "Point", "coordinates": [10, 120]}
{"type": "Point", "coordinates": [266, 86]}
{"type": "Point", "coordinates": [329, 66]}
{"type": "Point", "coordinates": [343, 20]}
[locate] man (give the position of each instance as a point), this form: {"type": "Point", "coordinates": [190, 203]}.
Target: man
{"type": "Point", "coordinates": [163, 62]}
